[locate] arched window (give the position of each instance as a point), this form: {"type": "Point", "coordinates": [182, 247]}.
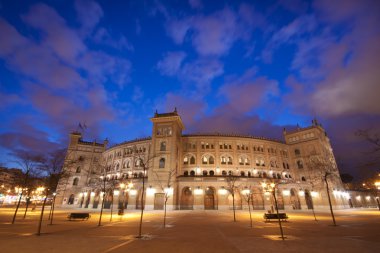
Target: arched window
{"type": "Point", "coordinates": [192, 173]}
{"type": "Point", "coordinates": [76, 180]}
{"type": "Point", "coordinates": [230, 173]}
{"type": "Point", "coordinates": [242, 173]}
{"type": "Point", "coordinates": [186, 160]}
{"type": "Point", "coordinates": [211, 172]}
{"type": "Point", "coordinates": [303, 178]}
{"type": "Point", "coordinates": [78, 169]}
{"type": "Point", "coordinates": [204, 173]}
{"type": "Point", "coordinates": [224, 173]}
{"type": "Point", "coordinates": [264, 174]}
{"type": "Point", "coordinates": [163, 146]}
{"type": "Point", "coordinates": [278, 175]}
{"type": "Point", "coordinates": [192, 160]}
{"type": "Point", "coordinates": [117, 167]}
{"type": "Point", "coordinates": [204, 160]}
{"type": "Point", "coordinates": [211, 160]}
{"type": "Point", "coordinates": [186, 173]}
{"type": "Point", "coordinates": [162, 163]}
{"type": "Point", "coordinates": [297, 152]}
{"type": "Point", "coordinates": [299, 164]}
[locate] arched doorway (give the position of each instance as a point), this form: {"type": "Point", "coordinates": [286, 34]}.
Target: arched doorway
{"type": "Point", "coordinates": [187, 199]}
{"type": "Point", "coordinates": [308, 199]}
{"type": "Point", "coordinates": [96, 199]}
{"type": "Point", "coordinates": [209, 199]}
{"type": "Point", "coordinates": [108, 200]}
{"type": "Point", "coordinates": [257, 199]}
{"type": "Point", "coordinates": [138, 200]}
{"type": "Point", "coordinates": [71, 200]}
{"type": "Point", "coordinates": [88, 198]}
{"type": "Point", "coordinates": [280, 200]}
{"type": "Point", "coordinates": [123, 200]}
{"type": "Point", "coordinates": [294, 200]}
{"type": "Point", "coordinates": [238, 201]}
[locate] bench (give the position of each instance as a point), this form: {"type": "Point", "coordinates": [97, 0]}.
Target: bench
{"type": "Point", "coordinates": [272, 216]}
{"type": "Point", "coordinates": [83, 216]}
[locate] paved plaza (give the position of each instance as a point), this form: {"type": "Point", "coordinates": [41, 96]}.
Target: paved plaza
{"type": "Point", "coordinates": [358, 230]}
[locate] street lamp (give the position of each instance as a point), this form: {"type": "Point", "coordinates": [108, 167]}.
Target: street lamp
{"type": "Point", "coordinates": [271, 188]}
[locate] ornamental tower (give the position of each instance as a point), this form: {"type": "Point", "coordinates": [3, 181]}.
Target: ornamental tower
{"type": "Point", "coordinates": [165, 150]}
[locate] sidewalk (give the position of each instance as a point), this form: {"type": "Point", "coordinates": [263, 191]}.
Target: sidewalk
{"type": "Point", "coordinates": [195, 231]}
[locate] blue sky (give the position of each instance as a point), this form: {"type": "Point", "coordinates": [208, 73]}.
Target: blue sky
{"type": "Point", "coordinates": [230, 66]}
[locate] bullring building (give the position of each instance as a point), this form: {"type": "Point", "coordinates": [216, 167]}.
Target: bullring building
{"type": "Point", "coordinates": [199, 171]}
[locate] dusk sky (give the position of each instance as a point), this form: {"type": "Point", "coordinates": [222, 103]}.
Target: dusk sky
{"type": "Point", "coordinates": [249, 67]}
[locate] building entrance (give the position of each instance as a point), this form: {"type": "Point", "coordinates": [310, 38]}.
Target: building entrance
{"type": "Point", "coordinates": [209, 200]}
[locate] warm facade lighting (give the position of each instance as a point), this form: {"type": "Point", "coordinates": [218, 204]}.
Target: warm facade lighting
{"type": "Point", "coordinates": [168, 191]}
{"type": "Point", "coordinates": [198, 191]}
{"type": "Point", "coordinates": [222, 191]}
{"type": "Point", "coordinates": [314, 194]}
{"type": "Point", "coordinates": [150, 191]}
{"type": "Point", "coordinates": [246, 191]}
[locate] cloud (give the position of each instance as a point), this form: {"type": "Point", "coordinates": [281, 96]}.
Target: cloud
{"type": "Point", "coordinates": [56, 35]}
{"type": "Point", "coordinates": [201, 72]}
{"type": "Point", "coordinates": [289, 34]}
{"type": "Point", "coordinates": [215, 34]}
{"type": "Point", "coordinates": [196, 4]}
{"type": "Point", "coordinates": [226, 119]}
{"type": "Point", "coordinates": [197, 73]}
{"type": "Point", "coordinates": [10, 100]}
{"type": "Point", "coordinates": [89, 14]}
{"type": "Point", "coordinates": [51, 66]}
{"type": "Point", "coordinates": [171, 63]}
{"type": "Point", "coordinates": [190, 108]}
{"type": "Point", "coordinates": [354, 88]}
{"type": "Point", "coordinates": [249, 92]}
{"type": "Point", "coordinates": [25, 137]}
{"type": "Point", "coordinates": [177, 29]}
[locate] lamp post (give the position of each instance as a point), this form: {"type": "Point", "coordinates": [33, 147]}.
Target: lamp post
{"type": "Point", "coordinates": [272, 188]}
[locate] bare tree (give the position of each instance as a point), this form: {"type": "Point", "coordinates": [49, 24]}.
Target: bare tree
{"type": "Point", "coordinates": [28, 164]}
{"type": "Point", "coordinates": [113, 182]}
{"type": "Point", "coordinates": [51, 168]}
{"type": "Point", "coordinates": [101, 181]}
{"type": "Point", "coordinates": [166, 187]}
{"type": "Point", "coordinates": [372, 138]}
{"type": "Point", "coordinates": [145, 163]}
{"type": "Point", "coordinates": [248, 196]}
{"type": "Point", "coordinates": [326, 173]}
{"type": "Point", "coordinates": [232, 188]}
